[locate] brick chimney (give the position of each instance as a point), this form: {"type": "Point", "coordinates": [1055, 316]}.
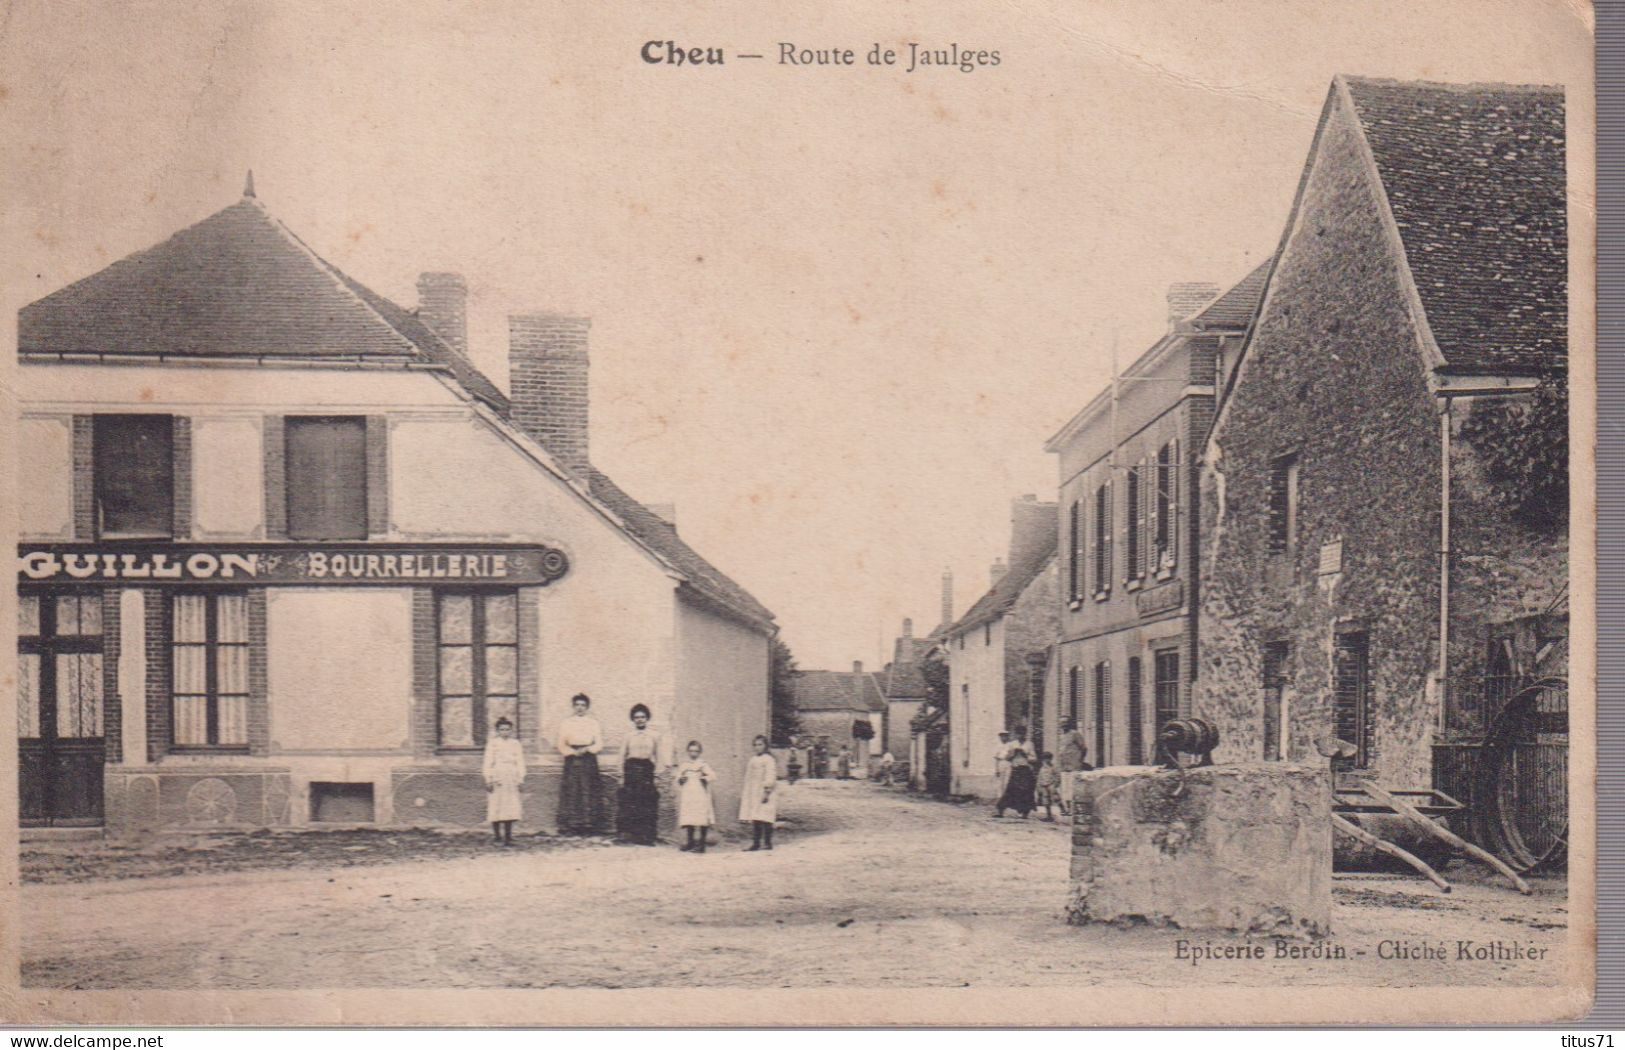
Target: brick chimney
{"type": "Point", "coordinates": [857, 685]}
{"type": "Point", "coordinates": [443, 306]}
{"type": "Point", "coordinates": [904, 653]}
{"type": "Point", "coordinates": [547, 382]}
{"type": "Point", "coordinates": [1034, 527]}
{"type": "Point", "coordinates": [947, 597]}
{"type": "Point", "coordinates": [1185, 298]}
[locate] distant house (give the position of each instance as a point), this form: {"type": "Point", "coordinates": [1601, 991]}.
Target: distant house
{"type": "Point", "coordinates": [832, 705]}
{"type": "Point", "coordinates": [903, 685]}
{"type": "Point", "coordinates": [1126, 651]}
{"type": "Point", "coordinates": [1413, 327]}
{"type": "Point", "coordinates": [991, 683]}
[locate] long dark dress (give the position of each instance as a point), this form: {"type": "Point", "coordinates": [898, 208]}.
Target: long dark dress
{"type": "Point", "coordinates": [1018, 790]}
{"type": "Point", "coordinates": [639, 803]}
{"type": "Point", "coordinates": [578, 795]}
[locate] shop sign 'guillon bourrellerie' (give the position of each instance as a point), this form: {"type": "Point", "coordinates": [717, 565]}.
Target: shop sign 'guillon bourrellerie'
{"type": "Point", "coordinates": [238, 563]}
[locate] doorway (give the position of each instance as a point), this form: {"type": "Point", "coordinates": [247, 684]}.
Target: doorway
{"type": "Point", "coordinates": [60, 747]}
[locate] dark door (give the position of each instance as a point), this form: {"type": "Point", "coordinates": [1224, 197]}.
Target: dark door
{"type": "Point", "coordinates": [59, 708]}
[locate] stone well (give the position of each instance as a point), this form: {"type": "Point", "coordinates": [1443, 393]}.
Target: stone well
{"type": "Point", "coordinates": [1246, 848]}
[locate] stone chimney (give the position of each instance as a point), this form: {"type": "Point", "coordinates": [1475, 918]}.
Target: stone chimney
{"type": "Point", "coordinates": [1185, 298]}
{"type": "Point", "coordinates": [947, 597]}
{"type": "Point", "coordinates": [666, 512]}
{"type": "Point", "coordinates": [1034, 528]}
{"type": "Point", "coordinates": [905, 652]}
{"type": "Point", "coordinates": [443, 306]}
{"type": "Point", "coordinates": [547, 383]}
{"type": "Point", "coordinates": [858, 694]}
{"type": "Point", "coordinates": [996, 573]}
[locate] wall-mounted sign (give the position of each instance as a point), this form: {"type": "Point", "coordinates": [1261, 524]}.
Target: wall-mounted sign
{"type": "Point", "coordinates": [1160, 599]}
{"type": "Point", "coordinates": [270, 563]}
{"type": "Point", "coordinates": [1331, 557]}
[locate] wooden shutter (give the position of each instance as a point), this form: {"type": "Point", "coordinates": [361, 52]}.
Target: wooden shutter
{"type": "Point", "coordinates": [1143, 495]}
{"type": "Point", "coordinates": [1136, 714]}
{"type": "Point", "coordinates": [1074, 541]}
{"type": "Point", "coordinates": [327, 477]}
{"type": "Point", "coordinates": [1108, 523]}
{"type": "Point", "coordinates": [1173, 503]}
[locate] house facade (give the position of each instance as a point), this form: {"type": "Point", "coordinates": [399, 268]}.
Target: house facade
{"type": "Point", "coordinates": [286, 554]}
{"type": "Point", "coordinates": [1366, 566]}
{"type": "Point", "coordinates": [903, 684]}
{"type": "Point", "coordinates": [1126, 649]}
{"type": "Point", "coordinates": [839, 709]}
{"type": "Point", "coordinates": [992, 647]}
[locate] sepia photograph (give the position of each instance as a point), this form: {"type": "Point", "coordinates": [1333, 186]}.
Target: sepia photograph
{"type": "Point", "coordinates": [1034, 514]}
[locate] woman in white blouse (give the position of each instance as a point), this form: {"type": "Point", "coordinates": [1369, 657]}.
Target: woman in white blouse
{"type": "Point", "coordinates": [579, 740]}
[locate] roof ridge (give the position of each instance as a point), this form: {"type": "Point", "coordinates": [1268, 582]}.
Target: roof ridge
{"type": "Point", "coordinates": [1478, 86]}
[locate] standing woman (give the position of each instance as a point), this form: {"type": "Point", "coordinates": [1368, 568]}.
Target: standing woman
{"type": "Point", "coordinates": [759, 801]}
{"type": "Point", "coordinates": [644, 752]}
{"type": "Point", "coordinates": [579, 740]}
{"type": "Point", "coordinates": [1023, 780]}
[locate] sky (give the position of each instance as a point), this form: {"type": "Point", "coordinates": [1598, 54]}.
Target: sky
{"type": "Point", "coordinates": [837, 311]}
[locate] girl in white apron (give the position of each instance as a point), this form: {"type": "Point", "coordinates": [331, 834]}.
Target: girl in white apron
{"type": "Point", "coordinates": [694, 810]}
{"type": "Point", "coordinates": [504, 771]}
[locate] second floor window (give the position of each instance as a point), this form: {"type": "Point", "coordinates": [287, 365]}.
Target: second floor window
{"type": "Point", "coordinates": [1283, 505]}
{"type": "Point", "coordinates": [134, 471]}
{"type": "Point", "coordinates": [326, 477]}
{"type": "Point", "coordinates": [1103, 540]}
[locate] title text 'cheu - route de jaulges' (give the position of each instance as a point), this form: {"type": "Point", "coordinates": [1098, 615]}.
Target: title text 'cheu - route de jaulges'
{"type": "Point", "coordinates": [908, 57]}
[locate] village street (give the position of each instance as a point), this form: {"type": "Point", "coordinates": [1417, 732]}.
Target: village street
{"type": "Point", "coordinates": [868, 887]}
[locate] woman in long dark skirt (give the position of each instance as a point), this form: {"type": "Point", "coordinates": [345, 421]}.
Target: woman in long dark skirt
{"type": "Point", "coordinates": [639, 808]}
{"type": "Point", "coordinates": [1023, 782]}
{"type": "Point", "coordinates": [579, 741]}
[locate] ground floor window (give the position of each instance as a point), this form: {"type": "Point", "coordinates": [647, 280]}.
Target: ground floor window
{"type": "Point", "coordinates": [1351, 695]}
{"type": "Point", "coordinates": [1103, 712]}
{"type": "Point", "coordinates": [209, 663]}
{"type": "Point", "coordinates": [478, 656]}
{"type": "Point", "coordinates": [1275, 657]}
{"type": "Point", "coordinates": [1136, 713]}
{"type": "Point", "coordinates": [1165, 689]}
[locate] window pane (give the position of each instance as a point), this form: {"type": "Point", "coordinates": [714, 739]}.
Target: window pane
{"type": "Point", "coordinates": [231, 669]}
{"type": "Point", "coordinates": [190, 669]}
{"type": "Point", "coordinates": [28, 614]}
{"type": "Point", "coordinates": [456, 618]}
{"type": "Point", "coordinates": [134, 474]}
{"type": "Point", "coordinates": [28, 666]}
{"type": "Point", "coordinates": [457, 721]}
{"type": "Point", "coordinates": [78, 694]}
{"type": "Point", "coordinates": [327, 477]}
{"type": "Point", "coordinates": [90, 615]}
{"type": "Point", "coordinates": [500, 707]}
{"type": "Point", "coordinates": [233, 714]}
{"type": "Point", "coordinates": [500, 623]}
{"type": "Point", "coordinates": [190, 624]}
{"type": "Point", "coordinates": [231, 612]}
{"type": "Point", "coordinates": [191, 720]}
{"type": "Point", "coordinates": [67, 615]}
{"type": "Point", "coordinates": [456, 670]}
{"type": "Point", "coordinates": [501, 669]}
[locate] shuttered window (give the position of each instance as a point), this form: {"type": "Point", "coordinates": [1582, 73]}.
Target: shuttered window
{"type": "Point", "coordinates": [1351, 698]}
{"type": "Point", "coordinates": [1136, 713]}
{"type": "Point", "coordinates": [1103, 539]}
{"type": "Point", "coordinates": [1165, 508]}
{"type": "Point", "coordinates": [209, 653]}
{"type": "Point", "coordinates": [1134, 555]}
{"type": "Point", "coordinates": [1075, 553]}
{"type": "Point", "coordinates": [1103, 712]}
{"type": "Point", "coordinates": [326, 477]}
{"type": "Point", "coordinates": [1275, 657]}
{"type": "Point", "coordinates": [1074, 685]}
{"type": "Point", "coordinates": [134, 475]}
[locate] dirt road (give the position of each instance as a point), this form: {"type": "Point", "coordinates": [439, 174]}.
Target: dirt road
{"type": "Point", "coordinates": [868, 887]}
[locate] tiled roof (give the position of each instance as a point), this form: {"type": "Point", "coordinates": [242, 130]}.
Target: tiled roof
{"type": "Point", "coordinates": [1474, 175]}
{"type": "Point", "coordinates": [998, 600]}
{"type": "Point", "coordinates": [833, 691]}
{"type": "Point", "coordinates": [237, 284]}
{"type": "Point", "coordinates": [656, 533]}
{"type": "Point", "coordinates": [1234, 308]}
{"type": "Point", "coordinates": [904, 681]}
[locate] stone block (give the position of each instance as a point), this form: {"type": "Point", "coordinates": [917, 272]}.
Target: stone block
{"type": "Point", "coordinates": [1246, 848]}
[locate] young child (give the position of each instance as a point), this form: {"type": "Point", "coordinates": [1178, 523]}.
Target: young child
{"type": "Point", "coordinates": [758, 801]}
{"type": "Point", "coordinates": [504, 771]}
{"type": "Point", "coordinates": [694, 810]}
{"type": "Point", "coordinates": [1048, 781]}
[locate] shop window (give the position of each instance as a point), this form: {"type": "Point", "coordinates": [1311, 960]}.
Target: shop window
{"type": "Point", "coordinates": [1165, 690]}
{"type": "Point", "coordinates": [209, 647]}
{"type": "Point", "coordinates": [326, 463]}
{"type": "Point", "coordinates": [1283, 505]}
{"type": "Point", "coordinates": [478, 657]}
{"type": "Point", "coordinates": [133, 468]}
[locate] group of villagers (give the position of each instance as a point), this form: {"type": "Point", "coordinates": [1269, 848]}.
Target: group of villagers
{"type": "Point", "coordinates": [580, 739]}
